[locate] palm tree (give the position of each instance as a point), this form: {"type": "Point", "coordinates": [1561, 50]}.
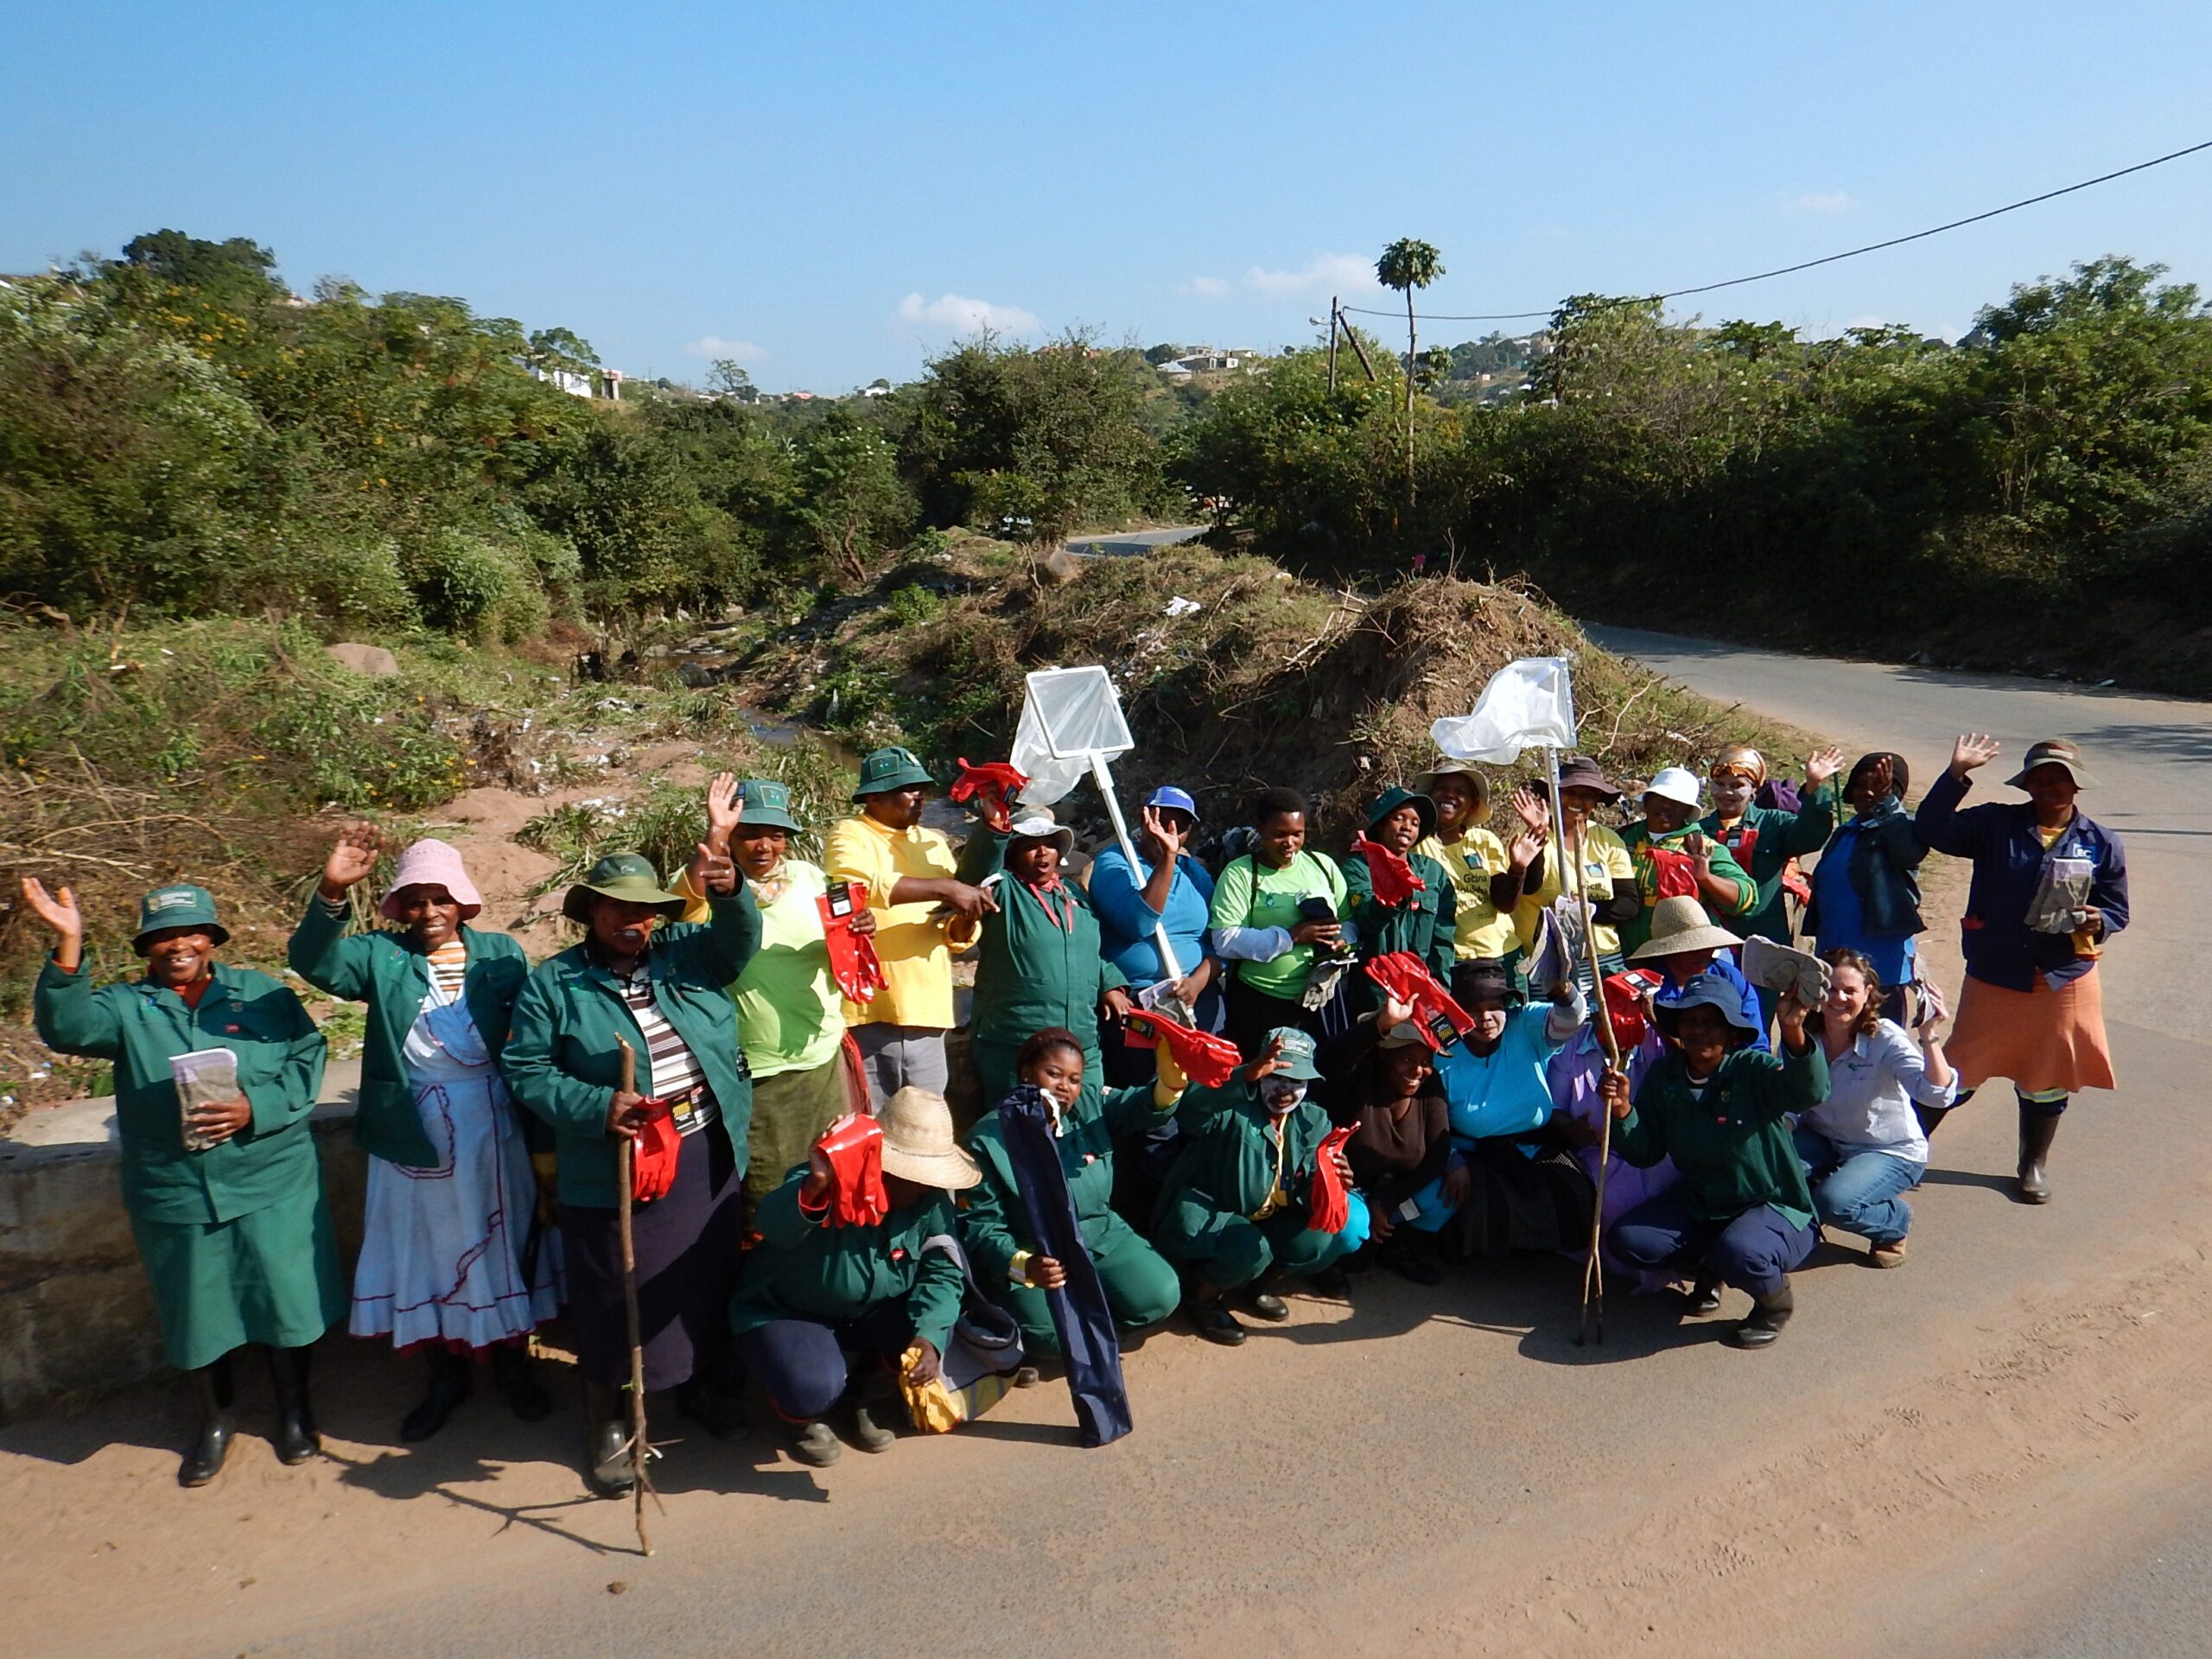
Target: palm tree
{"type": "Point", "coordinates": [1406, 265]}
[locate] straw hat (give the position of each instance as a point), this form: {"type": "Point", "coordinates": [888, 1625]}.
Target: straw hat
{"type": "Point", "coordinates": [918, 1144]}
{"type": "Point", "coordinates": [1680, 923]}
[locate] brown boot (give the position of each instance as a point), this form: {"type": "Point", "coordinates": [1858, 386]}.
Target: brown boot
{"type": "Point", "coordinates": [2039, 1128]}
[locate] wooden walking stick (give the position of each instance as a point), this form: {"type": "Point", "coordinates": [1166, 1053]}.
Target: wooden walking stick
{"type": "Point", "coordinates": [1593, 1271]}
{"type": "Point", "coordinates": [625, 1178]}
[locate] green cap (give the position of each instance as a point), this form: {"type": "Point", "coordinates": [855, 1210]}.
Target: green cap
{"type": "Point", "coordinates": [765, 804]}
{"type": "Point", "coordinates": [889, 769]}
{"type": "Point", "coordinates": [619, 875]}
{"type": "Point", "coordinates": [1397, 796]}
{"type": "Point", "coordinates": [1296, 1060]}
{"type": "Point", "coordinates": [180, 905]}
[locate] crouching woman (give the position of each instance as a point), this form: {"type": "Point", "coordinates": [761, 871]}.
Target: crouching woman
{"type": "Point", "coordinates": [1741, 1214]}
{"type": "Point", "coordinates": [226, 1203]}
{"type": "Point", "coordinates": [814, 1298]}
{"type": "Point", "coordinates": [1238, 1201]}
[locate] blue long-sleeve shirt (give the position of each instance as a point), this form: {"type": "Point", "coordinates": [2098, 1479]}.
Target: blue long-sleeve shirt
{"type": "Point", "coordinates": [1125, 921]}
{"type": "Point", "coordinates": [2008, 855]}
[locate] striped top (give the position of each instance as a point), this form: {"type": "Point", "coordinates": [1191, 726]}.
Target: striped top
{"type": "Point", "coordinates": [673, 1070]}
{"type": "Point", "coordinates": [448, 968]}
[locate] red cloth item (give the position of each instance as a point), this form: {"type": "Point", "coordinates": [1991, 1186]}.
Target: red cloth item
{"type": "Point", "coordinates": [853, 962]}
{"type": "Point", "coordinates": [853, 1145]}
{"type": "Point", "coordinates": [993, 786]}
{"type": "Point", "coordinates": [1332, 1206]}
{"type": "Point", "coordinates": [652, 1170]}
{"type": "Point", "coordinates": [1674, 875]}
{"type": "Point", "coordinates": [1624, 995]}
{"type": "Point", "coordinates": [1406, 978]}
{"type": "Point", "coordinates": [1794, 884]}
{"type": "Point", "coordinates": [1205, 1060]}
{"type": "Point", "coordinates": [1389, 874]}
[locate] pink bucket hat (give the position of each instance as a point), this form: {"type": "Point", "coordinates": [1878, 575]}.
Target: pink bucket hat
{"type": "Point", "coordinates": [432, 863]}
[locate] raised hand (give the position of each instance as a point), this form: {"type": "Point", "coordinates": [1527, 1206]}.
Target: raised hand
{"type": "Point", "coordinates": [1533, 810]}
{"type": "Point", "coordinates": [58, 910]}
{"type": "Point", "coordinates": [1170, 839]}
{"type": "Point", "coordinates": [724, 810]}
{"type": "Point", "coordinates": [1973, 749]}
{"type": "Point", "coordinates": [1822, 764]}
{"type": "Point", "coordinates": [1268, 1064]}
{"type": "Point", "coordinates": [352, 858]}
{"type": "Point", "coordinates": [1394, 1014]}
{"type": "Point", "coordinates": [714, 869]}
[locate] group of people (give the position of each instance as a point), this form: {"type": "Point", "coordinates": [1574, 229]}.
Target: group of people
{"type": "Point", "coordinates": [1449, 1045]}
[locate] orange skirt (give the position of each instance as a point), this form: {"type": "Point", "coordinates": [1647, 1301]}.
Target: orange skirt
{"type": "Point", "coordinates": [2052, 1037]}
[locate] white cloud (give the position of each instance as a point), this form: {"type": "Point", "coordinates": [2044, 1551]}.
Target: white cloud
{"type": "Point", "coordinates": [959, 312]}
{"type": "Point", "coordinates": [737, 351]}
{"type": "Point", "coordinates": [1815, 201]}
{"type": "Point", "coordinates": [1212, 288]}
{"type": "Point", "coordinates": [1320, 274]}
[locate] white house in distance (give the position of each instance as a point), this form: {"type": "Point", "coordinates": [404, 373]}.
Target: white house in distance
{"type": "Point", "coordinates": [1207, 361]}
{"type": "Point", "coordinates": [591, 382]}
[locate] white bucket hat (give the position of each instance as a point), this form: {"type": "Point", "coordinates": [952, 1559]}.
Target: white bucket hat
{"type": "Point", "coordinates": [918, 1144]}
{"type": "Point", "coordinates": [1676, 783]}
{"type": "Point", "coordinates": [1680, 924]}
{"type": "Point", "coordinates": [1039, 825]}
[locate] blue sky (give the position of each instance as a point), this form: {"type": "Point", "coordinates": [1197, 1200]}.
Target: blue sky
{"type": "Point", "coordinates": [829, 191]}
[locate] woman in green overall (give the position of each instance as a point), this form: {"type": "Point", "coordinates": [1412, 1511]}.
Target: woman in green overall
{"type": "Point", "coordinates": [1040, 963]}
{"type": "Point", "coordinates": [1424, 925]}
{"type": "Point", "coordinates": [234, 1234]}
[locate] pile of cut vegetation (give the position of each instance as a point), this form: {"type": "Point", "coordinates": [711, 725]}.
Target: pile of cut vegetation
{"type": "Point", "coordinates": [1270, 679]}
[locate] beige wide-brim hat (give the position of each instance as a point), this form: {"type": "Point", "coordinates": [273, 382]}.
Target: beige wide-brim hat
{"type": "Point", "coordinates": [918, 1144]}
{"type": "Point", "coordinates": [1679, 924]}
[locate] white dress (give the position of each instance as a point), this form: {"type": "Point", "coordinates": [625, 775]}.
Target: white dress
{"type": "Point", "coordinates": [441, 1249]}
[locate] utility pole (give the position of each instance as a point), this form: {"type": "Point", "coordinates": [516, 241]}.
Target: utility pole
{"type": "Point", "coordinates": [1352, 338]}
{"type": "Point", "coordinates": [1333, 315]}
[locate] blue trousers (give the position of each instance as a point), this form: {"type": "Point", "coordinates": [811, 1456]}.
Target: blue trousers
{"type": "Point", "coordinates": [1752, 1251]}
{"type": "Point", "coordinates": [802, 1364]}
{"type": "Point", "coordinates": [1859, 1192]}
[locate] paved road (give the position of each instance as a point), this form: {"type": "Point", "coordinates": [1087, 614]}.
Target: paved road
{"type": "Point", "coordinates": [1432, 1472]}
{"type": "Point", "coordinates": [1127, 543]}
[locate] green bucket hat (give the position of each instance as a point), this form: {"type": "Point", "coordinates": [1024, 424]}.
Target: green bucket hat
{"type": "Point", "coordinates": [1296, 1060]}
{"type": "Point", "coordinates": [889, 769]}
{"type": "Point", "coordinates": [765, 804]}
{"type": "Point", "coordinates": [1397, 796]}
{"type": "Point", "coordinates": [619, 875]}
{"type": "Point", "coordinates": [180, 905]}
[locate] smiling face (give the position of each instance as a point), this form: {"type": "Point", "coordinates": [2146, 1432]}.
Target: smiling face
{"type": "Point", "coordinates": [1664, 816]}
{"type": "Point", "coordinates": [1032, 861]}
{"type": "Point", "coordinates": [1732, 794]}
{"type": "Point", "coordinates": [1459, 803]}
{"type": "Point", "coordinates": [1404, 1070]}
{"type": "Point", "coordinates": [1577, 803]}
{"type": "Point", "coordinates": [1058, 1072]}
{"type": "Point", "coordinates": [1846, 1000]}
{"type": "Point", "coordinates": [2052, 788]}
{"type": "Point", "coordinates": [178, 957]}
{"type": "Point", "coordinates": [1401, 830]}
{"type": "Point", "coordinates": [1282, 834]}
{"type": "Point", "coordinates": [1703, 1038]}
{"type": "Point", "coordinates": [896, 809]}
{"type": "Point", "coordinates": [622, 927]}
{"type": "Point", "coordinates": [430, 913]}
{"type": "Point", "coordinates": [758, 851]}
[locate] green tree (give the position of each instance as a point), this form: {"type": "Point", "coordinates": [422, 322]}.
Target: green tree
{"type": "Point", "coordinates": [729, 378]}
{"type": "Point", "coordinates": [1406, 265]}
{"type": "Point", "coordinates": [850, 493]}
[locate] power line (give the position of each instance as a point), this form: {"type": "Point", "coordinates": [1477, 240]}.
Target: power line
{"type": "Point", "coordinates": [1807, 264]}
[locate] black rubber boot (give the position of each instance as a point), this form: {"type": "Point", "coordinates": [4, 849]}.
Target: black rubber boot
{"type": "Point", "coordinates": [1705, 1297]}
{"type": "Point", "coordinates": [1769, 1314]}
{"type": "Point", "coordinates": [525, 1396]}
{"type": "Point", "coordinates": [450, 1384]}
{"type": "Point", "coordinates": [606, 1441]}
{"type": "Point", "coordinates": [296, 1438]}
{"type": "Point", "coordinates": [2039, 1128]}
{"type": "Point", "coordinates": [210, 1442]}
{"type": "Point", "coordinates": [1210, 1313]}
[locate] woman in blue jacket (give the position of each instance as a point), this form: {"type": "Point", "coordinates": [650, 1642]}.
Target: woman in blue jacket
{"type": "Point", "coordinates": [1167, 889]}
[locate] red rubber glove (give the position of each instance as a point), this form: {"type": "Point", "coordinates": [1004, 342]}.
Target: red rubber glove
{"type": "Point", "coordinates": [993, 788]}
{"type": "Point", "coordinates": [1389, 874]}
{"type": "Point", "coordinates": [1330, 1207]}
{"type": "Point", "coordinates": [1674, 875]}
{"type": "Point", "coordinates": [1205, 1060]}
{"type": "Point", "coordinates": [1624, 995]}
{"type": "Point", "coordinates": [853, 962]}
{"type": "Point", "coordinates": [853, 1145]}
{"type": "Point", "coordinates": [653, 1170]}
{"type": "Point", "coordinates": [1406, 978]}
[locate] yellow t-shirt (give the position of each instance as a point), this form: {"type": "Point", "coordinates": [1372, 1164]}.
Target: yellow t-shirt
{"type": "Point", "coordinates": [1605, 862]}
{"type": "Point", "coordinates": [1482, 933]}
{"type": "Point", "coordinates": [909, 939]}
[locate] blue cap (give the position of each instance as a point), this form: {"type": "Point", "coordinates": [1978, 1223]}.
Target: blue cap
{"type": "Point", "coordinates": [1168, 795]}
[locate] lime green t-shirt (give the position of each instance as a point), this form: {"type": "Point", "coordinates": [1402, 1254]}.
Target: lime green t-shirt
{"type": "Point", "coordinates": [1252, 895]}
{"type": "Point", "coordinates": [790, 1016]}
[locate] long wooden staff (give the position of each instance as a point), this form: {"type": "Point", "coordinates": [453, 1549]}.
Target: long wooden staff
{"type": "Point", "coordinates": [1593, 1272]}
{"type": "Point", "coordinates": [624, 1177]}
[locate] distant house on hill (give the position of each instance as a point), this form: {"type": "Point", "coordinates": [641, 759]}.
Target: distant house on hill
{"type": "Point", "coordinates": [1205, 361]}
{"type": "Point", "coordinates": [582, 383]}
